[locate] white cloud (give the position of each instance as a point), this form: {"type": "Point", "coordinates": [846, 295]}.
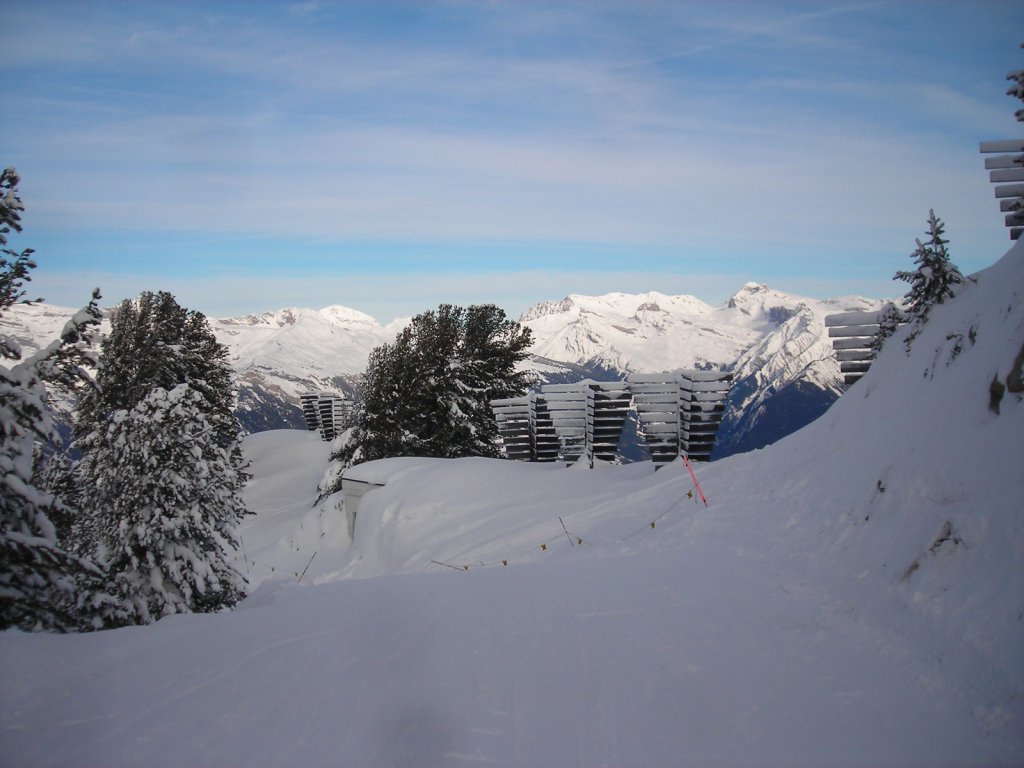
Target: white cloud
{"type": "Point", "coordinates": [546, 124]}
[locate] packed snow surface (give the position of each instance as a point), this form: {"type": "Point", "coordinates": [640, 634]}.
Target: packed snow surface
{"type": "Point", "coordinates": [852, 595]}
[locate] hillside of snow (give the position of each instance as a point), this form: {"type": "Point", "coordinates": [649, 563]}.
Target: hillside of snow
{"type": "Point", "coordinates": [278, 356]}
{"type": "Point", "coordinates": [852, 595]}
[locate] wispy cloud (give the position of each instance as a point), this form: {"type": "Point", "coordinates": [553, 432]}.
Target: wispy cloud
{"type": "Point", "coordinates": [726, 130]}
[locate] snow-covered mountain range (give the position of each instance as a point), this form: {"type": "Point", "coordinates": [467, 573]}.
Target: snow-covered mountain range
{"type": "Point", "coordinates": [775, 343]}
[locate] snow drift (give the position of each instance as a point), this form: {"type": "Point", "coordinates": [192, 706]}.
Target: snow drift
{"type": "Point", "coordinates": [853, 595]}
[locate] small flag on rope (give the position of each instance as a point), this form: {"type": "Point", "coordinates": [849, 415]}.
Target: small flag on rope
{"type": "Point", "coordinates": [689, 494]}
{"type": "Point", "coordinates": [653, 522]}
{"type": "Point", "coordinates": [544, 547]}
{"type": "Point", "coordinates": [504, 562]}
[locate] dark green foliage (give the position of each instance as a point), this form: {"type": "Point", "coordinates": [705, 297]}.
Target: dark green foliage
{"type": "Point", "coordinates": [429, 392]}
{"type": "Point", "coordinates": [15, 266]}
{"type": "Point", "coordinates": [996, 389]}
{"type": "Point", "coordinates": [155, 342]}
{"type": "Point", "coordinates": [1017, 91]}
{"type": "Point", "coordinates": [1015, 378]}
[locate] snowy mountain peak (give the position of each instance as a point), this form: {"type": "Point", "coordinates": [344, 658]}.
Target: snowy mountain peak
{"type": "Point", "coordinates": [340, 315]}
{"type": "Point", "coordinates": [291, 316]}
{"type": "Point", "coordinates": [615, 305]}
{"type": "Point", "coordinates": [761, 302]}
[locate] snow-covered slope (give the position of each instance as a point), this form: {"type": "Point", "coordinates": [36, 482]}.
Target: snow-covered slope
{"type": "Point", "coordinates": [852, 595]}
{"type": "Point", "coordinates": [786, 380]}
{"type": "Point", "coordinates": [311, 344]}
{"type": "Point", "coordinates": [33, 326]}
{"type": "Point", "coordinates": [635, 332]}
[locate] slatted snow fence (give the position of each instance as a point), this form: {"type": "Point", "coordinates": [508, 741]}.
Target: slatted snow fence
{"type": "Point", "coordinates": [852, 334]}
{"type": "Point", "coordinates": [1007, 170]}
{"type": "Point", "coordinates": [678, 412]}
{"type": "Point", "coordinates": [325, 412]}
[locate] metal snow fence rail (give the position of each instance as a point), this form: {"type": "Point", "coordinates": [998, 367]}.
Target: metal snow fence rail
{"type": "Point", "coordinates": [852, 334]}
{"type": "Point", "coordinates": [1007, 168]}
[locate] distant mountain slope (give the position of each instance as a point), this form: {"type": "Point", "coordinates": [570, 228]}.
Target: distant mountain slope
{"type": "Point", "coordinates": [280, 355]}
{"type": "Point", "coordinates": [776, 343]}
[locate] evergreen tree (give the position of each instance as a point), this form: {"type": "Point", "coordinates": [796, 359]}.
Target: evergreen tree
{"type": "Point", "coordinates": [155, 342]}
{"type": "Point", "coordinates": [934, 279]}
{"type": "Point", "coordinates": [56, 475]}
{"type": "Point", "coordinates": [164, 496]}
{"type": "Point", "coordinates": [161, 467]}
{"type": "Point", "coordinates": [42, 586]}
{"type": "Point", "coordinates": [429, 392]}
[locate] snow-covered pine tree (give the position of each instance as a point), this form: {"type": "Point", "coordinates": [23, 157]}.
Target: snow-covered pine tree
{"type": "Point", "coordinates": [42, 586]}
{"type": "Point", "coordinates": [155, 348]}
{"type": "Point", "coordinates": [155, 342]}
{"type": "Point", "coordinates": [489, 355]}
{"type": "Point", "coordinates": [378, 431]}
{"type": "Point", "coordinates": [934, 279]}
{"type": "Point", "coordinates": [55, 474]}
{"type": "Point", "coordinates": [164, 495]}
{"type": "Point", "coordinates": [429, 393]}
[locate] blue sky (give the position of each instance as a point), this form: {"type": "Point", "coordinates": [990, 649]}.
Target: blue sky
{"type": "Point", "coordinates": [390, 156]}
